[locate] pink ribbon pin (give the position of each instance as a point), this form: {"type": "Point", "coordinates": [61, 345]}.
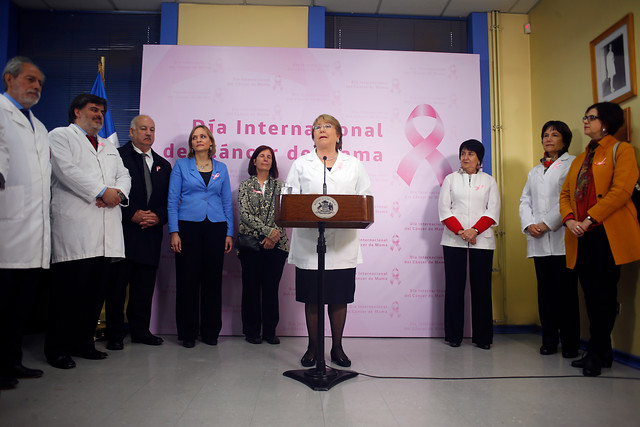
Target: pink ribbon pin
{"type": "Point", "coordinates": [424, 148]}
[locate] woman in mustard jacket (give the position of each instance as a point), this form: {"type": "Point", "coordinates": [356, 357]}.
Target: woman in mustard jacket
{"type": "Point", "coordinates": [602, 230]}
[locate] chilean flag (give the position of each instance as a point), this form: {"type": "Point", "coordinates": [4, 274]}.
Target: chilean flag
{"type": "Point", "coordinates": [108, 130]}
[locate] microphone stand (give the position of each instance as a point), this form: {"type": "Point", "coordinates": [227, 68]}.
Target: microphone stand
{"type": "Point", "coordinates": [324, 182]}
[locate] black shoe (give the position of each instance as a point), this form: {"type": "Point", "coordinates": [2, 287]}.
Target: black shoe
{"type": "Point", "coordinates": [309, 358]}
{"type": "Point", "coordinates": [62, 362]}
{"type": "Point", "coordinates": [605, 361]}
{"type": "Point", "coordinates": [91, 354]}
{"type": "Point", "coordinates": [8, 383]}
{"type": "Point", "coordinates": [592, 367]}
{"type": "Point", "coordinates": [210, 341]}
{"type": "Point", "coordinates": [580, 362]}
{"type": "Point", "coordinates": [254, 340]}
{"type": "Point", "coordinates": [189, 343]}
{"type": "Point", "coordinates": [547, 350]}
{"type": "Point", "coordinates": [571, 354]}
{"type": "Point", "coordinates": [273, 340]}
{"type": "Point", "coordinates": [339, 358]}
{"type": "Point", "coordinates": [148, 340]}
{"type": "Point", "coordinates": [484, 346]}
{"type": "Point", "coordinates": [21, 371]}
{"type": "Point", "coordinates": [115, 344]}
{"type": "Point", "coordinates": [453, 344]}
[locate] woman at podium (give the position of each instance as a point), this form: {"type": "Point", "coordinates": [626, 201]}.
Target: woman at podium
{"type": "Point", "coordinates": [344, 175]}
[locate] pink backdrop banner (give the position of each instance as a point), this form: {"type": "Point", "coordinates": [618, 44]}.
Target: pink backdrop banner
{"type": "Point", "coordinates": [404, 115]}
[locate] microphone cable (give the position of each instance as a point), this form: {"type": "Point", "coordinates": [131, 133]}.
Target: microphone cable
{"type": "Point", "coordinates": [503, 377]}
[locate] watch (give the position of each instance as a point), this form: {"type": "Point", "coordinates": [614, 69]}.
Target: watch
{"type": "Point", "coordinates": [122, 196]}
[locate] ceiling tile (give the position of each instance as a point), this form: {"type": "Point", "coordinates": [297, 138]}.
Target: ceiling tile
{"type": "Point", "coordinates": [279, 2]}
{"type": "Point", "coordinates": [462, 8]}
{"type": "Point", "coordinates": [413, 7]}
{"type": "Point", "coordinates": [138, 5]}
{"type": "Point", "coordinates": [449, 8]}
{"type": "Point", "coordinates": [79, 5]}
{"type": "Point", "coordinates": [524, 6]}
{"type": "Point", "coordinates": [349, 6]}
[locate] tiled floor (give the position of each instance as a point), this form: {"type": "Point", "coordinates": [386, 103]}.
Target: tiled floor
{"type": "Point", "coordinates": [240, 384]}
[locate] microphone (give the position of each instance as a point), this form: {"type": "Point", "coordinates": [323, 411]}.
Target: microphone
{"type": "Point", "coordinates": [324, 183]}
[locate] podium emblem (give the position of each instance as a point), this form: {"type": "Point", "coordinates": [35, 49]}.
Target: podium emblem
{"type": "Point", "coordinates": [324, 207]}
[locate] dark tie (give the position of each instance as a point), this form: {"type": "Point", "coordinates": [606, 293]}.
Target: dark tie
{"type": "Point", "coordinates": [147, 176]}
{"type": "Point", "coordinates": [94, 141]}
{"type": "Point", "coordinates": [26, 114]}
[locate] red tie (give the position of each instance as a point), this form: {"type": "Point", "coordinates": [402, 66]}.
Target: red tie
{"type": "Point", "coordinates": [94, 141]}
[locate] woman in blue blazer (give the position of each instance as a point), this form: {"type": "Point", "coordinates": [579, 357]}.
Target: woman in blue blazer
{"type": "Point", "coordinates": [201, 225]}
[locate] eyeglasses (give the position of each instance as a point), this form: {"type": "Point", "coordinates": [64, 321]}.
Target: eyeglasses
{"type": "Point", "coordinates": [590, 118]}
{"type": "Point", "coordinates": [325, 126]}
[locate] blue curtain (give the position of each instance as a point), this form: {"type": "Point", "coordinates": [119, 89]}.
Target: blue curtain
{"type": "Point", "coordinates": [396, 33]}
{"type": "Point", "coordinates": [67, 46]}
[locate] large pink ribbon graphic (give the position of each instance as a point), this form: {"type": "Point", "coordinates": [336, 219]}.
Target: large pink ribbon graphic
{"type": "Point", "coordinates": [424, 148]}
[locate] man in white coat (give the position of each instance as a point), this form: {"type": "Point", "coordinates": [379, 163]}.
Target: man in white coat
{"type": "Point", "coordinates": [89, 184]}
{"type": "Point", "coordinates": [25, 245]}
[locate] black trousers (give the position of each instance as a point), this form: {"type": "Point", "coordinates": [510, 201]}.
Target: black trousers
{"type": "Point", "coordinates": [455, 270]}
{"type": "Point", "coordinates": [18, 290]}
{"type": "Point", "coordinates": [558, 302]}
{"type": "Point", "coordinates": [75, 302]}
{"type": "Point", "coordinates": [261, 273]}
{"type": "Point", "coordinates": [141, 279]}
{"type": "Point", "coordinates": [199, 279]}
{"type": "Point", "coordinates": [599, 275]}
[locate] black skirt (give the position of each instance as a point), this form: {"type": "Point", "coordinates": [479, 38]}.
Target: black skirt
{"type": "Point", "coordinates": [339, 286]}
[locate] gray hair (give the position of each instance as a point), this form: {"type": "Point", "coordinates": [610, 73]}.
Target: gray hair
{"type": "Point", "coordinates": [132, 125]}
{"type": "Point", "coordinates": [14, 67]}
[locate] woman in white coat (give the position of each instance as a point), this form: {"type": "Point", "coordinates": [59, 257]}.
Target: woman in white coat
{"type": "Point", "coordinates": [542, 224]}
{"type": "Point", "coordinates": [469, 204]}
{"type": "Point", "coordinates": [345, 175]}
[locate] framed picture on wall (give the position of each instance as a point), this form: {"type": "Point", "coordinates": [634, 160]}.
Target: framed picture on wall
{"type": "Point", "coordinates": [613, 63]}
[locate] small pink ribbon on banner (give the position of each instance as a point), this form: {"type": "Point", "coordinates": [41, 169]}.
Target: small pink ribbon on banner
{"type": "Point", "coordinates": [424, 148]}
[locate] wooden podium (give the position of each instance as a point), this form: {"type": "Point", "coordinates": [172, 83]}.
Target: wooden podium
{"type": "Point", "coordinates": [322, 211]}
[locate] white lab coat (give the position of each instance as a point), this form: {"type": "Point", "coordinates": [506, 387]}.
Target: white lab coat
{"type": "Point", "coordinates": [468, 198]}
{"type": "Point", "coordinates": [347, 176]}
{"type": "Point", "coordinates": [25, 231]}
{"type": "Point", "coordinates": [540, 203]}
{"type": "Point", "coordinates": [79, 228]}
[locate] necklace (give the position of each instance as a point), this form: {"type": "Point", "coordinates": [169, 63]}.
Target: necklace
{"type": "Point", "coordinates": [202, 167]}
{"type": "Point", "coordinates": [328, 160]}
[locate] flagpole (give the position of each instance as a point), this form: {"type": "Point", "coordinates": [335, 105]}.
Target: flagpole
{"type": "Point", "coordinates": [108, 130]}
{"type": "Point", "coordinates": [101, 326]}
{"type": "Point", "coordinates": [101, 68]}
